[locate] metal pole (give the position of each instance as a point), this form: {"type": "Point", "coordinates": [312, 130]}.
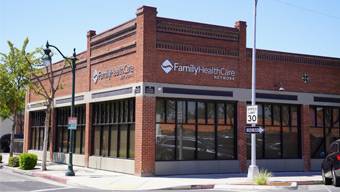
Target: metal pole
{"type": "Point", "coordinates": [70, 171]}
{"type": "Point", "coordinates": [253, 170]}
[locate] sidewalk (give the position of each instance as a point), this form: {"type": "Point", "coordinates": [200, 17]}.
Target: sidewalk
{"type": "Point", "coordinates": [107, 180]}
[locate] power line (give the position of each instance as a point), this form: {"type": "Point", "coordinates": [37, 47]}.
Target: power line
{"type": "Point", "coordinates": [308, 10]}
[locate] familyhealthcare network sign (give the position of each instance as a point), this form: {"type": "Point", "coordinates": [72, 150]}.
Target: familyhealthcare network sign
{"type": "Point", "coordinates": [218, 73]}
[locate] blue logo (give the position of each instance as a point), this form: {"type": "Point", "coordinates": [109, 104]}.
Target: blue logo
{"type": "Point", "coordinates": [167, 66]}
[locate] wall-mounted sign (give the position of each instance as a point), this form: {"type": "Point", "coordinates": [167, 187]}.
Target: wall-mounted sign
{"type": "Point", "coordinates": [121, 71]}
{"type": "Point", "coordinates": [219, 73]}
{"type": "Point", "coordinates": [137, 89]}
{"type": "Point", "coordinates": [149, 89]}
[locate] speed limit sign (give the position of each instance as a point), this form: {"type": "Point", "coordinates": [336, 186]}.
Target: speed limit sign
{"type": "Point", "coordinates": [252, 114]}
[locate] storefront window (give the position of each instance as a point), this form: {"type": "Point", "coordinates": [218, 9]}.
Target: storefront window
{"type": "Point", "coordinates": [165, 141]}
{"type": "Point", "coordinates": [113, 128]}
{"type": "Point", "coordinates": [203, 130]}
{"type": "Point", "coordinates": [62, 139]}
{"type": "Point", "coordinates": [325, 130]}
{"type": "Point", "coordinates": [186, 142]}
{"type": "Point", "coordinates": [37, 129]}
{"type": "Point", "coordinates": [281, 125]}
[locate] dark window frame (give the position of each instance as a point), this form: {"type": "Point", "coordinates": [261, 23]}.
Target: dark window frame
{"type": "Point", "coordinates": [264, 124]}
{"type": "Point", "coordinates": [37, 126]}
{"type": "Point", "coordinates": [196, 124]}
{"type": "Point", "coordinates": [313, 154]}
{"type": "Point", "coordinates": [61, 126]}
{"type": "Point", "coordinates": [117, 113]}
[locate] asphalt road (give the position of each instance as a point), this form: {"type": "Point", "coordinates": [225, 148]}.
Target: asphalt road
{"type": "Point", "coordinates": [10, 181]}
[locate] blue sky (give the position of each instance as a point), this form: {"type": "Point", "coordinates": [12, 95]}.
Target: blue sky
{"type": "Point", "coordinates": [304, 26]}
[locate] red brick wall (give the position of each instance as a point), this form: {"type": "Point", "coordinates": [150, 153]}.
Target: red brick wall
{"type": "Point", "coordinates": [88, 133]}
{"type": "Point", "coordinates": [241, 137]}
{"type": "Point", "coordinates": [323, 79]}
{"type": "Point", "coordinates": [306, 123]}
{"type": "Point", "coordinates": [145, 131]}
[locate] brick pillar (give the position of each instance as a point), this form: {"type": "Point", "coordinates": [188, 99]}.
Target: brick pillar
{"type": "Point", "coordinates": [27, 131]}
{"type": "Point", "coordinates": [145, 136]}
{"type": "Point", "coordinates": [88, 116]}
{"type": "Point", "coordinates": [89, 36]}
{"type": "Point", "coordinates": [241, 136]}
{"type": "Point", "coordinates": [53, 132]}
{"type": "Point", "coordinates": [146, 42]}
{"type": "Point", "coordinates": [88, 134]}
{"type": "Point", "coordinates": [306, 123]}
{"type": "Point", "coordinates": [27, 124]}
{"type": "Point", "coordinates": [244, 68]}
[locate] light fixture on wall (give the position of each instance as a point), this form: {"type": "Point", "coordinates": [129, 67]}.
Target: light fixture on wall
{"type": "Point", "coordinates": [279, 87]}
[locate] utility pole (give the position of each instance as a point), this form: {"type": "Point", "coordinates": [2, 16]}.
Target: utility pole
{"type": "Point", "coordinates": [253, 170]}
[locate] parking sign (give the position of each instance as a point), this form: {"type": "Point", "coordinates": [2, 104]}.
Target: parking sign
{"type": "Point", "coordinates": [72, 123]}
{"type": "Point", "coordinates": [252, 114]}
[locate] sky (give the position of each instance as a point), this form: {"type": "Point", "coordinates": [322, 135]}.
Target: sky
{"type": "Point", "coordinates": [304, 26]}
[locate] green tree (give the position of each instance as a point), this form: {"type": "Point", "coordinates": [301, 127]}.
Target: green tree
{"type": "Point", "coordinates": [45, 82]}
{"type": "Point", "coordinates": [15, 77]}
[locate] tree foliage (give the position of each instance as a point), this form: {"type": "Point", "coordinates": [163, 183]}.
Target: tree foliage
{"type": "Point", "coordinates": [15, 77]}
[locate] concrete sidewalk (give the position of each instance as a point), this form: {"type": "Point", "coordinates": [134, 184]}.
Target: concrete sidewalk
{"type": "Point", "coordinates": [107, 180]}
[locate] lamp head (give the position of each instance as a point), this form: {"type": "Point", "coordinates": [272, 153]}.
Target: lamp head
{"type": "Point", "coordinates": [46, 58]}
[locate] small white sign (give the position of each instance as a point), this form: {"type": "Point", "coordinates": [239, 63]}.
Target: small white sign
{"type": "Point", "coordinates": [252, 114]}
{"type": "Point", "coordinates": [72, 123]}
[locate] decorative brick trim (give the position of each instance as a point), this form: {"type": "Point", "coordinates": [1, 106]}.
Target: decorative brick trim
{"type": "Point", "coordinates": [192, 29]}
{"type": "Point", "coordinates": [196, 49]}
{"type": "Point", "coordinates": [69, 99]}
{"type": "Point", "coordinates": [120, 51]}
{"type": "Point", "coordinates": [67, 69]}
{"type": "Point", "coordinates": [118, 30]}
{"type": "Point", "coordinates": [114, 37]}
{"type": "Point", "coordinates": [294, 58]}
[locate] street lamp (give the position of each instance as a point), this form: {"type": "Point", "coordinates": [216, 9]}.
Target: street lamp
{"type": "Point", "coordinates": [253, 170]}
{"type": "Point", "coordinates": [47, 60]}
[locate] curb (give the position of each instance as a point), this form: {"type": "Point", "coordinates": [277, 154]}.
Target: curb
{"type": "Point", "coordinates": [188, 187]}
{"type": "Point", "coordinates": [37, 174]}
{"type": "Point", "coordinates": [292, 186]}
{"type": "Point", "coordinates": [51, 177]}
{"type": "Point", "coordinates": [309, 182]}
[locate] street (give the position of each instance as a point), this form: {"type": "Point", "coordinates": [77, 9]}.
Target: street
{"type": "Point", "coordinates": [16, 182]}
{"type": "Point", "coordinates": [10, 181]}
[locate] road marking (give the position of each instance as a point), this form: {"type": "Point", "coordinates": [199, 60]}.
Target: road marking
{"type": "Point", "coordinates": [52, 189]}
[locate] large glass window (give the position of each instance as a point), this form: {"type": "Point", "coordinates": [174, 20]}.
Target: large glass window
{"type": "Point", "coordinates": [63, 134]}
{"type": "Point", "coordinates": [113, 126]}
{"type": "Point", "coordinates": [195, 130]}
{"type": "Point", "coordinates": [37, 129]}
{"type": "Point", "coordinates": [282, 131]}
{"type": "Point", "coordinates": [324, 130]}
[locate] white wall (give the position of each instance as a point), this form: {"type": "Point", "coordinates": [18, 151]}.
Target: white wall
{"type": "Point", "coordinates": [5, 126]}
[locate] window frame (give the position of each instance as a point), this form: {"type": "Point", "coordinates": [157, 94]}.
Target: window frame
{"type": "Point", "coordinates": [196, 124]}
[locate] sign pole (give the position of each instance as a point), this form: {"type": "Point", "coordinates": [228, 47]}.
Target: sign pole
{"type": "Point", "coordinates": [253, 170]}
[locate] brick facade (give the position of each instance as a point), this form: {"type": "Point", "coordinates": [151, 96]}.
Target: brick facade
{"type": "Point", "coordinates": [147, 40]}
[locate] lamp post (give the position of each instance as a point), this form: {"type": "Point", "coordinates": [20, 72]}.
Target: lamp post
{"type": "Point", "coordinates": [253, 170]}
{"type": "Point", "coordinates": [47, 60]}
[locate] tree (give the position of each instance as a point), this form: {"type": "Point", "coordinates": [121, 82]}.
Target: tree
{"type": "Point", "coordinates": [46, 83]}
{"type": "Point", "coordinates": [14, 81]}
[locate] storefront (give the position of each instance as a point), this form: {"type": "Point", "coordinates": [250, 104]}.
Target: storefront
{"type": "Point", "coordinates": [158, 96]}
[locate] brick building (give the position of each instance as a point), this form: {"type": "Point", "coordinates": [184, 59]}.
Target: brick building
{"type": "Point", "coordinates": [158, 96]}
